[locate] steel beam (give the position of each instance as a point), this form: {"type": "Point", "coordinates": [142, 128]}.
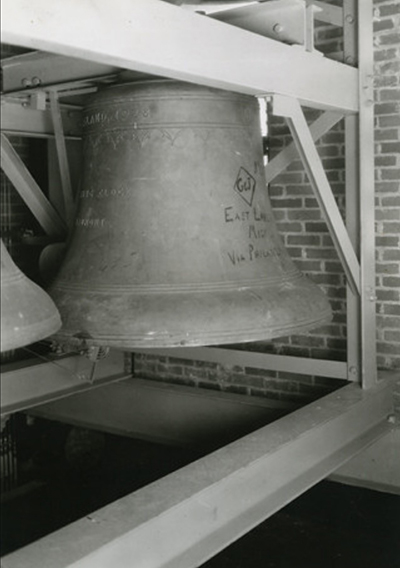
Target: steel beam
{"type": "Point", "coordinates": [40, 70]}
{"type": "Point", "coordinates": [62, 156]}
{"type": "Point", "coordinates": [367, 193]}
{"type": "Point", "coordinates": [154, 37]}
{"type": "Point", "coordinates": [327, 13]}
{"type": "Point", "coordinates": [283, 21]}
{"type": "Point", "coordinates": [291, 110]}
{"type": "Point", "coordinates": [186, 517]}
{"type": "Point", "coordinates": [352, 188]}
{"type": "Point", "coordinates": [18, 174]}
{"type": "Point", "coordinates": [267, 361]}
{"type": "Point", "coordinates": [29, 385]}
{"type": "Point", "coordinates": [19, 118]}
{"type": "Point", "coordinates": [174, 415]}
{"type": "Point", "coordinates": [318, 128]}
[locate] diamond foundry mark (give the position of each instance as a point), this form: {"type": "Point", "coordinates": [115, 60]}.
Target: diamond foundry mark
{"type": "Point", "coordinates": [245, 186]}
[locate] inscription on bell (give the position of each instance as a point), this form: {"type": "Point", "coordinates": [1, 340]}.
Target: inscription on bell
{"type": "Point", "coordinates": [119, 115]}
{"type": "Point", "coordinates": [245, 186]}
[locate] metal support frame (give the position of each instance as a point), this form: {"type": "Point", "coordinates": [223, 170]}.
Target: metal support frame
{"type": "Point", "coordinates": [18, 174]}
{"type": "Point", "coordinates": [19, 28]}
{"type": "Point", "coordinates": [266, 361]}
{"type": "Point", "coordinates": [20, 118]}
{"type": "Point", "coordinates": [186, 517]}
{"type": "Point", "coordinates": [367, 194]}
{"type": "Point", "coordinates": [33, 382]}
{"type": "Point", "coordinates": [155, 37]}
{"type": "Point", "coordinates": [66, 185]}
{"type": "Point", "coordinates": [291, 110]}
{"type": "Point", "coordinates": [192, 511]}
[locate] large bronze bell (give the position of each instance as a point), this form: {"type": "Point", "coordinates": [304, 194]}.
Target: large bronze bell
{"type": "Point", "coordinates": [175, 242]}
{"type": "Point", "coordinates": [27, 313]}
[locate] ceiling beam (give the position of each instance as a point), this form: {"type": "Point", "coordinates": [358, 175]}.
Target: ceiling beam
{"type": "Point", "coordinates": [155, 37]}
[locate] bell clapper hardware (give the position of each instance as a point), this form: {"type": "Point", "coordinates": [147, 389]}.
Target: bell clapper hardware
{"type": "Point", "coordinates": [92, 352]}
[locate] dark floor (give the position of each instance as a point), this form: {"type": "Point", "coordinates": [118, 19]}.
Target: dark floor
{"type": "Point", "coordinates": [330, 526]}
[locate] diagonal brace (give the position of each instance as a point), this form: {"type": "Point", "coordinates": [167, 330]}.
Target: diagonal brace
{"type": "Point", "coordinates": [22, 180]}
{"type": "Point", "coordinates": [318, 128]}
{"type": "Point", "coordinates": [290, 109]}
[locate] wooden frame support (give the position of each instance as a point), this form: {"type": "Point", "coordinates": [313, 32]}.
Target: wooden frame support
{"type": "Point", "coordinates": [291, 110]}
{"type": "Point", "coordinates": [18, 174]}
{"type": "Point", "coordinates": [197, 511]}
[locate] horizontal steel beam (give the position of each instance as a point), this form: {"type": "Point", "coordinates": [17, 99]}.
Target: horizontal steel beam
{"type": "Point", "coordinates": [18, 118]}
{"type": "Point", "coordinates": [267, 361]}
{"type": "Point", "coordinates": [283, 21]}
{"type": "Point", "coordinates": [166, 413]}
{"type": "Point", "coordinates": [31, 383]}
{"type": "Point", "coordinates": [154, 37]}
{"type": "Point", "coordinates": [187, 517]}
{"type": "Point", "coordinates": [38, 69]}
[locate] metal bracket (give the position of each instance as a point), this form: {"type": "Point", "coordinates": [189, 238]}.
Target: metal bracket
{"type": "Point", "coordinates": [290, 109]}
{"type": "Point", "coordinates": [319, 127]}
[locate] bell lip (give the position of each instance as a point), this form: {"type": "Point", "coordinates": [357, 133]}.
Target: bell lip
{"type": "Point", "coordinates": [194, 339]}
{"type": "Point", "coordinates": [34, 333]}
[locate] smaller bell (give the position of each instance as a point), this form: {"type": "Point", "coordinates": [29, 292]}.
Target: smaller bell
{"type": "Point", "coordinates": [28, 314]}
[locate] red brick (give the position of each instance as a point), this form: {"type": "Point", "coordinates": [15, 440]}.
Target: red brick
{"type": "Point", "coordinates": [392, 336]}
{"type": "Point", "coordinates": [390, 174]}
{"type": "Point", "coordinates": [389, 39]}
{"type": "Point", "coordinates": [390, 147]}
{"type": "Point", "coordinates": [391, 282]}
{"type": "Point", "coordinates": [385, 160]}
{"type": "Point", "coordinates": [389, 10]}
{"type": "Point", "coordinates": [382, 25]}
{"type": "Point", "coordinates": [309, 240]}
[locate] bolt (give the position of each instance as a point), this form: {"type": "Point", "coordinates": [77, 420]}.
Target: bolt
{"type": "Point", "coordinates": [350, 19]}
{"type": "Point", "coordinates": [349, 59]}
{"type": "Point", "coordinates": [36, 81]}
{"type": "Point", "coordinates": [391, 419]}
{"type": "Point", "coordinates": [26, 82]}
{"type": "Point", "coordinates": [277, 28]}
{"type": "Point", "coordinates": [353, 370]}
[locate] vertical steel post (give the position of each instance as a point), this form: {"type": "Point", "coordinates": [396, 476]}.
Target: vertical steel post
{"type": "Point", "coordinates": [367, 193]}
{"type": "Point", "coordinates": [352, 187]}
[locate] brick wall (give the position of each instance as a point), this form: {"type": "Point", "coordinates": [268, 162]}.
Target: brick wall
{"type": "Point", "coordinates": [306, 237]}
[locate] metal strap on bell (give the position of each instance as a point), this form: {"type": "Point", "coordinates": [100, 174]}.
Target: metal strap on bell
{"type": "Point", "coordinates": [175, 242]}
{"type": "Point", "coordinates": [28, 314]}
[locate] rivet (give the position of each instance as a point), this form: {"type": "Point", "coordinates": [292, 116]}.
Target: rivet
{"type": "Point", "coordinates": [391, 419]}
{"type": "Point", "coordinates": [36, 81]}
{"type": "Point", "coordinates": [25, 82]}
{"type": "Point", "coordinates": [278, 28]}
{"type": "Point", "coordinates": [349, 19]}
